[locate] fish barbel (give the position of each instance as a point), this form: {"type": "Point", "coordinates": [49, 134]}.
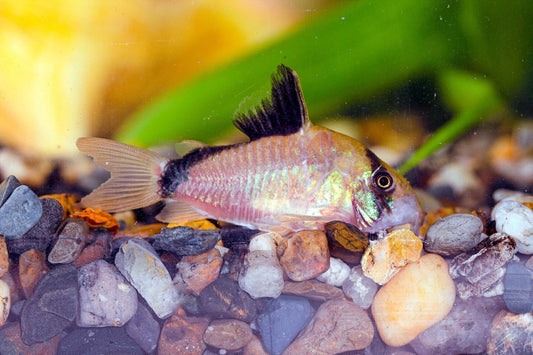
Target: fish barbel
{"type": "Point", "coordinates": [290, 176]}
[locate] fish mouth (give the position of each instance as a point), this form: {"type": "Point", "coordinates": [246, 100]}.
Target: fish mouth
{"type": "Point", "coordinates": [404, 210]}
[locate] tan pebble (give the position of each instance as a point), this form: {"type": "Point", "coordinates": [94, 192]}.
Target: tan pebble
{"type": "Point", "coordinates": [510, 333]}
{"type": "Point", "coordinates": [313, 289]}
{"type": "Point", "coordinates": [4, 257]}
{"type": "Point", "coordinates": [5, 302]}
{"type": "Point", "coordinates": [32, 267]}
{"type": "Point", "coordinates": [419, 296]}
{"type": "Point", "coordinates": [254, 347]}
{"type": "Point", "coordinates": [304, 255]}
{"type": "Point", "coordinates": [338, 326]}
{"type": "Point", "coordinates": [182, 334]}
{"type": "Point", "coordinates": [228, 334]}
{"type": "Point", "coordinates": [384, 259]}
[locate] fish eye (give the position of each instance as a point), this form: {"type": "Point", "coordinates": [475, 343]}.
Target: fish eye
{"type": "Point", "coordinates": [383, 180]}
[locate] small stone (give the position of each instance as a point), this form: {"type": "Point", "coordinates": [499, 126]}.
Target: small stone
{"type": "Point", "coordinates": [228, 334]}
{"type": "Point", "coordinates": [281, 321]}
{"type": "Point", "coordinates": [304, 255]}
{"type": "Point", "coordinates": [517, 293]}
{"type": "Point", "coordinates": [382, 260]}
{"type": "Point", "coordinates": [265, 242]}
{"type": "Point", "coordinates": [97, 250]}
{"type": "Point", "coordinates": [516, 220]}
{"type": "Point", "coordinates": [454, 234]}
{"type": "Point", "coordinates": [144, 329]}
{"type": "Point", "coordinates": [233, 235]}
{"type": "Point", "coordinates": [195, 272]}
{"type": "Point", "coordinates": [140, 265]}
{"type": "Point", "coordinates": [336, 274]}
{"type": "Point", "coordinates": [69, 242]}
{"type": "Point", "coordinates": [360, 288]}
{"type": "Point", "coordinates": [11, 279]}
{"type": "Point", "coordinates": [262, 275]}
{"type": "Point", "coordinates": [32, 268]}
{"type": "Point", "coordinates": [20, 212]}
{"type": "Point", "coordinates": [106, 299]}
{"type": "Point", "coordinates": [40, 236]}
{"type": "Point", "coordinates": [182, 335]}
{"type": "Point", "coordinates": [4, 256]}
{"type": "Point", "coordinates": [5, 302]}
{"type": "Point", "coordinates": [419, 296]}
{"type": "Point", "coordinates": [338, 326]}
{"type": "Point", "coordinates": [224, 299]}
{"type": "Point", "coordinates": [186, 240]}
{"type": "Point", "coordinates": [346, 235]}
{"type": "Point", "coordinates": [7, 187]}
{"type": "Point", "coordinates": [52, 306]}
{"type": "Point", "coordinates": [479, 271]}
{"type": "Point", "coordinates": [110, 340]}
{"type": "Point", "coordinates": [254, 347]}
{"type": "Point", "coordinates": [313, 290]}
{"type": "Point", "coordinates": [465, 329]}
{"type": "Point", "coordinates": [511, 334]}
{"type": "Point", "coordinates": [11, 342]}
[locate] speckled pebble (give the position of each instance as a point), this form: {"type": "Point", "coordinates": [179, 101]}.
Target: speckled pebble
{"type": "Point", "coordinates": [517, 294]}
{"type": "Point", "coordinates": [262, 275]}
{"type": "Point", "coordinates": [224, 299]}
{"type": "Point", "coordinates": [516, 220]}
{"type": "Point", "coordinates": [419, 296]}
{"type": "Point", "coordinates": [281, 321]}
{"type": "Point", "coordinates": [106, 299]}
{"type": "Point", "coordinates": [195, 272]}
{"type": "Point", "coordinates": [479, 271]}
{"type": "Point", "coordinates": [70, 241]}
{"type": "Point", "coordinates": [336, 274]}
{"type": "Point", "coordinates": [228, 334]}
{"type": "Point", "coordinates": [338, 326]}
{"type": "Point", "coordinates": [140, 265]}
{"type": "Point", "coordinates": [360, 288]}
{"type": "Point", "coordinates": [304, 255]}
{"type": "Point", "coordinates": [20, 212]}
{"type": "Point", "coordinates": [454, 234]}
{"type": "Point", "coordinates": [511, 333]}
{"type": "Point", "coordinates": [182, 334]}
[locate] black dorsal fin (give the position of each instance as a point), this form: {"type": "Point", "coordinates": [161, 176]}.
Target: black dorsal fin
{"type": "Point", "coordinates": [285, 113]}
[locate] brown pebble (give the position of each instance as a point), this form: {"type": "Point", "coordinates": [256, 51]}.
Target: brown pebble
{"type": "Point", "coordinates": [99, 249]}
{"type": "Point", "coordinates": [4, 256]}
{"type": "Point", "coordinates": [347, 235]}
{"type": "Point", "coordinates": [32, 267]}
{"type": "Point", "coordinates": [338, 326]}
{"type": "Point", "coordinates": [182, 334]}
{"type": "Point", "coordinates": [313, 289]}
{"type": "Point", "coordinates": [254, 347]}
{"type": "Point", "coordinates": [304, 255]}
{"type": "Point", "coordinates": [228, 334]}
{"type": "Point", "coordinates": [511, 333]}
{"type": "Point", "coordinates": [195, 272]}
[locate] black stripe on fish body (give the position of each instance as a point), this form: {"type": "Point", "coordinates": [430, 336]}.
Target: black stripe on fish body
{"type": "Point", "coordinates": [176, 171]}
{"type": "Point", "coordinates": [283, 114]}
{"type": "Point", "coordinates": [382, 195]}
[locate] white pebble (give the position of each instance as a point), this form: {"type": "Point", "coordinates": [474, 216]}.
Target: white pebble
{"type": "Point", "coordinates": [360, 288]}
{"type": "Point", "coordinates": [516, 220]}
{"type": "Point", "coordinates": [5, 302]}
{"type": "Point", "coordinates": [336, 274]}
{"type": "Point", "coordinates": [265, 242]}
{"type": "Point", "coordinates": [262, 275]}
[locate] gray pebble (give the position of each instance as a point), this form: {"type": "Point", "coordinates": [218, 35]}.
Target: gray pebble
{"type": "Point", "coordinates": [20, 212]}
{"type": "Point", "coordinates": [69, 242]}
{"type": "Point", "coordinates": [454, 234]}
{"type": "Point", "coordinates": [39, 236]}
{"type": "Point", "coordinates": [186, 240]}
{"type": "Point", "coordinates": [144, 329]}
{"type": "Point", "coordinates": [6, 188]}
{"type": "Point", "coordinates": [92, 341]}
{"type": "Point", "coordinates": [517, 293]}
{"type": "Point", "coordinates": [106, 299]}
{"type": "Point", "coordinates": [360, 288]}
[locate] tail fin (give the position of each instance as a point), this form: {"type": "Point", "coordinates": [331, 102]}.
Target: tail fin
{"type": "Point", "coordinates": [134, 172]}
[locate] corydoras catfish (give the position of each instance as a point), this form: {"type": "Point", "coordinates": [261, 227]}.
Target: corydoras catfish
{"type": "Point", "coordinates": [290, 176]}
